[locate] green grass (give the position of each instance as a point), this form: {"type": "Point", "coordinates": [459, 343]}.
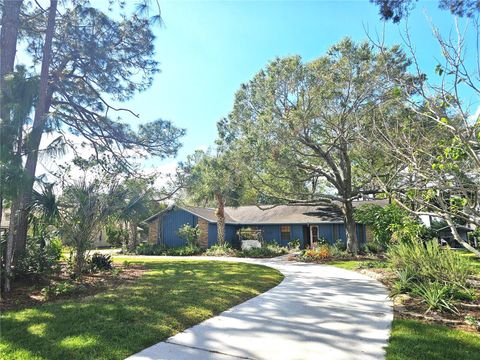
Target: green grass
{"type": "Point", "coordinates": [472, 259]}
{"type": "Point", "coordinates": [355, 264]}
{"type": "Point", "coordinates": [411, 339]}
{"type": "Point", "coordinates": [170, 297]}
{"type": "Point", "coordinates": [346, 264]}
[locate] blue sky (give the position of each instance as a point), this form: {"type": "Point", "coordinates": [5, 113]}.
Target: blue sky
{"type": "Point", "coordinates": [208, 48]}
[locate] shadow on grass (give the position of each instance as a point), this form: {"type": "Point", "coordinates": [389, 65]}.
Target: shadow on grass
{"type": "Point", "coordinates": [170, 297]}
{"type": "Point", "coordinates": [412, 339]}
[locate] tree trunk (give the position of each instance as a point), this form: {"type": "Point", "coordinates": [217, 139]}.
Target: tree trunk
{"type": "Point", "coordinates": [456, 236]}
{"type": "Point", "coordinates": [220, 213]}
{"type": "Point", "coordinates": [133, 235]}
{"type": "Point", "coordinates": [38, 126]}
{"type": "Point", "coordinates": [10, 251]}
{"type": "Point", "coordinates": [8, 38]}
{"type": "Point", "coordinates": [8, 45]}
{"type": "Point", "coordinates": [350, 228]}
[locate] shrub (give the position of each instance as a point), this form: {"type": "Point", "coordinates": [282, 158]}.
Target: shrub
{"type": "Point", "coordinates": [116, 236]}
{"type": "Point", "coordinates": [402, 283]}
{"type": "Point", "coordinates": [184, 251]}
{"type": "Point", "coordinates": [61, 289]}
{"type": "Point", "coordinates": [189, 234]}
{"type": "Point", "coordinates": [220, 250]}
{"type": "Point", "coordinates": [101, 262]}
{"type": "Point", "coordinates": [318, 253]}
{"type": "Point", "coordinates": [267, 251]}
{"type": "Point", "coordinates": [436, 296]}
{"type": "Point", "coordinates": [40, 258]}
{"type": "Point", "coordinates": [428, 262]}
{"type": "Point", "coordinates": [294, 245]}
{"type": "Point", "coordinates": [390, 224]}
{"type": "Point", "coordinates": [149, 249]}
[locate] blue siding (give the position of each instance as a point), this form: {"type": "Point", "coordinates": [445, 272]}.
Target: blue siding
{"type": "Point", "coordinates": [171, 222]}
{"type": "Point", "coordinates": [325, 232]}
{"type": "Point", "coordinates": [212, 234]}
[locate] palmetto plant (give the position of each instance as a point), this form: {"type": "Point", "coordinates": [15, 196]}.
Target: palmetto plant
{"type": "Point", "coordinates": [436, 296]}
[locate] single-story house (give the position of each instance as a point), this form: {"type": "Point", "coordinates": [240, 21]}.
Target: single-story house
{"type": "Point", "coordinates": [282, 223]}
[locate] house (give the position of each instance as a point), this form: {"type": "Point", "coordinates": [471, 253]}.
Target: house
{"type": "Point", "coordinates": [282, 223]}
{"type": "Point", "coordinates": [446, 237]}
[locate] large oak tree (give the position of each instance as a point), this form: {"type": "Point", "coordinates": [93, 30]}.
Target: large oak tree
{"type": "Point", "coordinates": [300, 124]}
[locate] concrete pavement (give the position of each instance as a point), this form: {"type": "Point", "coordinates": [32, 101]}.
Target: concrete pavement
{"type": "Point", "coordinates": [317, 312]}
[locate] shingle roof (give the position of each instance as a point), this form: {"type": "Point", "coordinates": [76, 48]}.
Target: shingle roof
{"type": "Point", "coordinates": [281, 214]}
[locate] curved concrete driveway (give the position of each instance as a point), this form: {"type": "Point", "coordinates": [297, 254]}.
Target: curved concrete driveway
{"type": "Point", "coordinates": [317, 312]}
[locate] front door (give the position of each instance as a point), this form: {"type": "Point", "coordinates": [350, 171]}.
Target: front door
{"type": "Point", "coordinates": [313, 235]}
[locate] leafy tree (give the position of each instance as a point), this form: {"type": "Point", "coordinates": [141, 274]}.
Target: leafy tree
{"type": "Point", "coordinates": [390, 224]}
{"type": "Point", "coordinates": [296, 126]}
{"type": "Point", "coordinates": [89, 63]}
{"type": "Point", "coordinates": [190, 234]}
{"type": "Point", "coordinates": [140, 200]}
{"type": "Point", "coordinates": [396, 10]}
{"type": "Point", "coordinates": [437, 139]}
{"type": "Point", "coordinates": [212, 179]}
{"type": "Point", "coordinates": [85, 209]}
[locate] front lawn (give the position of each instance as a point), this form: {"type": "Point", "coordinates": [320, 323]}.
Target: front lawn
{"type": "Point", "coordinates": [170, 297]}
{"type": "Point", "coordinates": [412, 339]}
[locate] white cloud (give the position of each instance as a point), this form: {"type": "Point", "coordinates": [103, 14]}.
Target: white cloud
{"type": "Point", "coordinates": [476, 115]}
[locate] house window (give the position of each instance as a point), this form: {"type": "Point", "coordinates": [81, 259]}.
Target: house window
{"type": "Point", "coordinates": [285, 232]}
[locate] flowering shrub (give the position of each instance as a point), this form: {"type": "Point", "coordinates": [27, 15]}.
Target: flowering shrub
{"type": "Point", "coordinates": [319, 253]}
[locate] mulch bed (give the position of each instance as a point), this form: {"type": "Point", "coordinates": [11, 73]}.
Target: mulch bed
{"type": "Point", "coordinates": [27, 292]}
{"type": "Point", "coordinates": [410, 307]}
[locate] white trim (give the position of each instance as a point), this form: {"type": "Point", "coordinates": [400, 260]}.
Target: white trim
{"type": "Point", "coordinates": [311, 234]}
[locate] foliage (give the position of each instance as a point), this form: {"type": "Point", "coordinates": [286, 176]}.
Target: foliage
{"type": "Point", "coordinates": [472, 321]}
{"type": "Point", "coordinates": [437, 276]}
{"type": "Point", "coordinates": [220, 250]}
{"type": "Point", "coordinates": [296, 127]}
{"type": "Point", "coordinates": [155, 249]}
{"type": "Point", "coordinates": [86, 208]}
{"type": "Point", "coordinates": [436, 296]}
{"type": "Point", "coordinates": [116, 236]}
{"type": "Point", "coordinates": [61, 289]}
{"type": "Point", "coordinates": [266, 251]}
{"type": "Point", "coordinates": [189, 292]}
{"type": "Point", "coordinates": [190, 234]}
{"type": "Point", "coordinates": [100, 262]}
{"type": "Point", "coordinates": [396, 10]}
{"type": "Point", "coordinates": [212, 179]}
{"type": "Point", "coordinates": [318, 253]}
{"type": "Point", "coordinates": [390, 224]}
{"type": "Point", "coordinates": [42, 257]}
{"type": "Point", "coordinates": [150, 249]}
{"type": "Point", "coordinates": [294, 245]}
{"type": "Point", "coordinates": [428, 262]}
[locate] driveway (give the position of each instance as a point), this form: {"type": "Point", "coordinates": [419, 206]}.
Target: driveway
{"type": "Point", "coordinates": [317, 312]}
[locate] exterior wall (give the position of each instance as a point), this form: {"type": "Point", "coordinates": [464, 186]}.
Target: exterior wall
{"type": "Point", "coordinates": [163, 230]}
{"type": "Point", "coordinates": [203, 239]}
{"type": "Point", "coordinates": [171, 221]}
{"type": "Point", "coordinates": [101, 239]}
{"type": "Point", "coordinates": [153, 231]}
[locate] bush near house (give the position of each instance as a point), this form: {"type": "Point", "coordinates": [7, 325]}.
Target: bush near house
{"type": "Point", "coordinates": [160, 250]}
{"type": "Point", "coordinates": [267, 250]}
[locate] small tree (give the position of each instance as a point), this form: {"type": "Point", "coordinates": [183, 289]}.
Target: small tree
{"type": "Point", "coordinates": [214, 179]}
{"type": "Point", "coordinates": [190, 234]}
{"type": "Point", "coordinates": [85, 207]}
